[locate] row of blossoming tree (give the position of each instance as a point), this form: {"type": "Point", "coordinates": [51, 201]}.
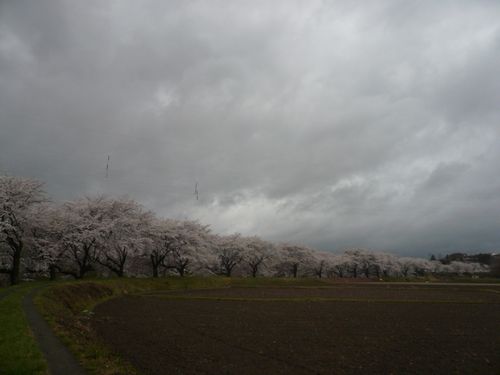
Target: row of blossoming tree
{"type": "Point", "coordinates": [117, 236]}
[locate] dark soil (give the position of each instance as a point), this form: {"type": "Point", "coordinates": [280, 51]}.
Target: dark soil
{"type": "Point", "coordinates": [164, 335]}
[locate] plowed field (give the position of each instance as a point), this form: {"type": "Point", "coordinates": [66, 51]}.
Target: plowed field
{"type": "Point", "coordinates": [345, 329]}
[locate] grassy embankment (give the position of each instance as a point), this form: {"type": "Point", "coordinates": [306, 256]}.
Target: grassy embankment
{"type": "Point", "coordinates": [19, 353]}
{"type": "Point", "coordinates": [68, 308]}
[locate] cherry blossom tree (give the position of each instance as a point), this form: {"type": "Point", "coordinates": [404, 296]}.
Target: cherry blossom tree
{"type": "Point", "coordinates": [371, 263]}
{"type": "Point", "coordinates": [192, 239]}
{"type": "Point", "coordinates": [18, 197]}
{"type": "Point", "coordinates": [406, 266]}
{"type": "Point", "coordinates": [320, 263]}
{"type": "Point", "coordinates": [422, 266]}
{"type": "Point", "coordinates": [339, 265]}
{"type": "Point", "coordinates": [175, 245]}
{"type": "Point", "coordinates": [48, 250]}
{"type": "Point", "coordinates": [256, 252]}
{"type": "Point", "coordinates": [363, 260]}
{"type": "Point", "coordinates": [355, 262]}
{"type": "Point", "coordinates": [84, 232]}
{"type": "Point", "coordinates": [128, 224]}
{"type": "Point", "coordinates": [461, 268]}
{"type": "Point", "coordinates": [228, 251]}
{"type": "Point", "coordinates": [158, 243]}
{"type": "Point", "coordinates": [293, 258]}
{"type": "Point", "coordinates": [385, 264]}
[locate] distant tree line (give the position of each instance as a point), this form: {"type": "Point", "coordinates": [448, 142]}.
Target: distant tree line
{"type": "Point", "coordinates": [108, 236]}
{"type": "Point", "coordinates": [489, 260]}
{"type": "Point", "coordinates": [482, 258]}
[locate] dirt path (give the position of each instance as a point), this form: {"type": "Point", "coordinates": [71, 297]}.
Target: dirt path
{"type": "Point", "coordinates": [59, 358]}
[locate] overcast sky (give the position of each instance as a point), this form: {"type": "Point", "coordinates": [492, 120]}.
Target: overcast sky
{"type": "Point", "coordinates": [334, 124]}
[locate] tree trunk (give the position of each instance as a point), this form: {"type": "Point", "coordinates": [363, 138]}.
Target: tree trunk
{"type": "Point", "coordinates": [122, 260]}
{"type": "Point", "coordinates": [295, 270]}
{"type": "Point", "coordinates": [355, 272]}
{"type": "Point", "coordinates": [16, 265]}
{"type": "Point", "coordinates": [367, 272]}
{"type": "Point", "coordinates": [82, 270]}
{"type": "Point", "coordinates": [52, 272]}
{"type": "Point", "coordinates": [155, 269]}
{"type": "Point", "coordinates": [155, 264]}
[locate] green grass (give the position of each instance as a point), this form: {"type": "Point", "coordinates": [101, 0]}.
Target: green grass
{"type": "Point", "coordinates": [19, 353]}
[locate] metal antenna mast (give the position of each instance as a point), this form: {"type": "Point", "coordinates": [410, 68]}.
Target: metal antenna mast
{"type": "Point", "coordinates": [196, 191]}
{"type": "Point", "coordinates": [107, 168]}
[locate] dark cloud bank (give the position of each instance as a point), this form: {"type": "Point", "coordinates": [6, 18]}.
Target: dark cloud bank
{"type": "Point", "coordinates": [333, 124]}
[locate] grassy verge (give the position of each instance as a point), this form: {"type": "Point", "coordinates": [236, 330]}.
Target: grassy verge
{"type": "Point", "coordinates": [19, 353]}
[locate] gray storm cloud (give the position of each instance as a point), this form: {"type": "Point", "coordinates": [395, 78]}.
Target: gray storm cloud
{"type": "Point", "coordinates": [334, 124]}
